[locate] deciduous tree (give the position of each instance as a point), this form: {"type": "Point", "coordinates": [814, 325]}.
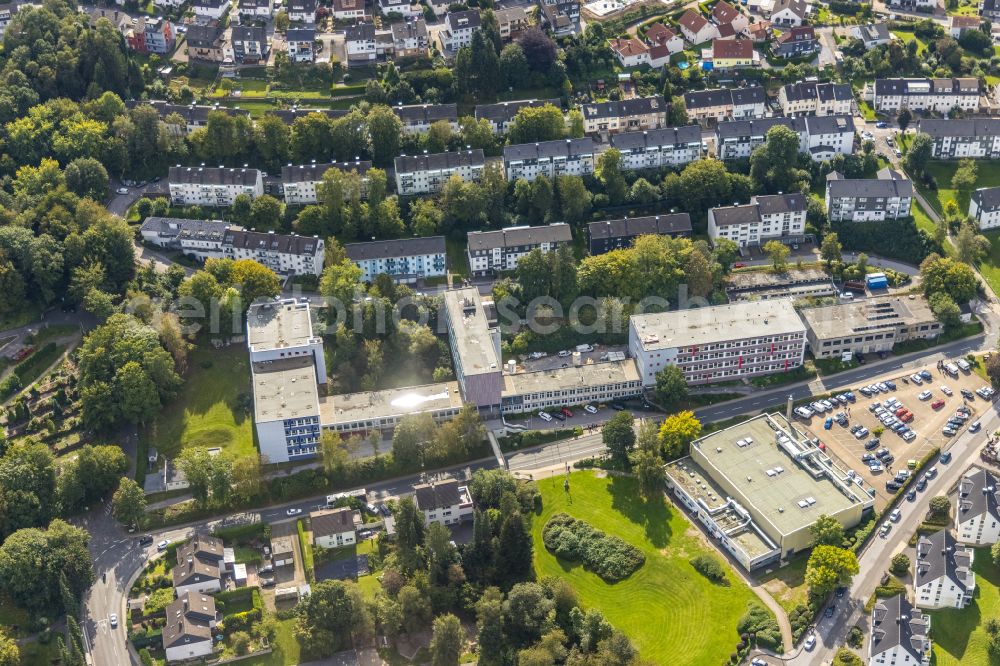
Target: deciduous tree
{"type": "Point", "coordinates": [677, 431]}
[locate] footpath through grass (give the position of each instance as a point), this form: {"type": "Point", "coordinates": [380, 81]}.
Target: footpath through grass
{"type": "Point", "coordinates": [671, 612]}
{"type": "Point", "coordinates": [209, 410]}
{"type": "Point", "coordinates": [960, 636]}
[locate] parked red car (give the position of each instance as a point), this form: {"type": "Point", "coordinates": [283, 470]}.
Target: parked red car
{"type": "Point", "coordinates": [937, 404]}
{"type": "Point", "coordinates": [568, 414]}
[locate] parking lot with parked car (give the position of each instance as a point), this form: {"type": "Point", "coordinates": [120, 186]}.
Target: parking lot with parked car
{"type": "Point", "coordinates": [881, 430]}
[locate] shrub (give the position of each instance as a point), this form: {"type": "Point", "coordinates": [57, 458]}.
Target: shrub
{"type": "Point", "coordinates": [158, 601]}
{"type": "Point", "coordinates": [608, 556]}
{"type": "Point", "coordinates": [761, 623]}
{"type": "Point", "coordinates": [710, 568]}
{"type": "Point", "coordinates": [800, 618]}
{"type": "Point", "coordinates": [855, 637]}
{"type": "Point", "coordinates": [240, 641]}
{"type": "Point", "coordinates": [900, 564]}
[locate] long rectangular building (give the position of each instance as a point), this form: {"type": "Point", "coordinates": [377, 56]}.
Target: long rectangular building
{"type": "Point", "coordinates": [869, 325]}
{"type": "Point", "coordinates": [821, 137]}
{"type": "Point", "coordinates": [564, 157]}
{"type": "Point", "coordinates": [300, 183]}
{"type": "Point", "coordinates": [418, 118]}
{"type": "Point", "coordinates": [475, 349]}
{"type": "Point", "coordinates": [572, 385]}
{"type": "Point", "coordinates": [501, 115]}
{"type": "Point", "coordinates": [719, 343]}
{"type": "Point", "coordinates": [767, 217]}
{"type": "Point", "coordinates": [887, 197]}
{"type": "Point", "coordinates": [405, 260]}
{"type": "Point", "coordinates": [726, 104]}
{"type": "Point", "coordinates": [213, 239]}
{"type": "Point", "coordinates": [657, 148]}
{"type": "Point", "coordinates": [607, 235]}
{"type": "Point", "coordinates": [210, 186]}
{"type": "Point", "coordinates": [423, 174]}
{"type": "Point", "coordinates": [814, 98]}
{"type": "Point", "coordinates": [759, 486]}
{"type": "Point", "coordinates": [627, 115]}
{"type": "Point", "coordinates": [963, 137]}
{"type": "Point", "coordinates": [493, 251]}
{"type": "Point", "coordinates": [937, 95]}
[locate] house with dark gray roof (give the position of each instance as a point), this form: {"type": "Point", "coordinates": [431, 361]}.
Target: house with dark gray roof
{"type": "Point", "coordinates": [334, 528]}
{"type": "Point", "coordinates": [211, 9]}
{"type": "Point", "coordinates": [211, 186]}
{"type": "Point", "coordinates": [199, 238]}
{"type": "Point", "coordinates": [627, 115]}
{"type": "Point", "coordinates": [200, 565]}
{"type": "Point", "coordinates": [820, 137]}
{"type": "Point", "coordinates": [889, 196]}
{"type": "Point", "coordinates": [255, 9]}
{"type": "Point", "coordinates": [562, 157]}
{"type": "Point", "coordinates": [405, 260]}
{"type": "Point", "coordinates": [289, 116]}
{"type": "Point", "coordinates": [285, 254]}
{"type": "Point", "coordinates": [767, 217]}
{"type": "Point", "coordinates": [726, 104]}
{"type": "Point", "coordinates": [977, 509]}
{"type": "Point", "coordinates": [656, 148]}
{"type": "Point", "coordinates": [409, 38]}
{"type": "Point", "coordinates": [302, 11]}
{"type": "Point", "coordinates": [300, 183]}
{"type": "Point", "coordinates": [872, 35]}
{"type": "Point", "coordinates": [811, 98]}
{"type": "Point", "coordinates": [249, 43]}
{"type": "Point", "coordinates": [192, 116]}
{"type": "Point", "coordinates": [458, 29]}
{"type": "Point", "coordinates": [187, 632]}
{"type": "Point", "coordinates": [936, 95]}
{"type": "Point", "coordinates": [300, 44]}
{"type": "Point", "coordinates": [984, 207]}
{"type": "Point", "coordinates": [418, 118]}
{"type": "Point", "coordinates": [422, 174]}
{"type": "Point", "coordinates": [943, 576]}
{"type": "Point", "coordinates": [958, 138]}
{"type": "Point", "coordinates": [443, 502]}
{"type": "Point", "coordinates": [208, 42]}
{"type": "Point", "coordinates": [501, 115]}
{"type": "Point", "coordinates": [607, 235]}
{"type": "Point", "coordinates": [900, 634]}
{"type": "Point", "coordinates": [491, 252]}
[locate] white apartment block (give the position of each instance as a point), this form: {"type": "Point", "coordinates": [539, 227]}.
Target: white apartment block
{"type": "Point", "coordinates": [214, 239]}
{"type": "Point", "coordinates": [943, 576]}
{"type": "Point", "coordinates": [501, 115]}
{"type": "Point", "coordinates": [821, 137]}
{"type": "Point", "coordinates": [816, 99]}
{"type": "Point", "coordinates": [301, 183]}
{"type": "Point", "coordinates": [887, 197]}
{"type": "Point", "coordinates": [977, 511]}
{"type": "Point", "coordinates": [493, 251]}
{"type": "Point", "coordinates": [726, 104]}
{"type": "Point", "coordinates": [573, 385]}
{"type": "Point", "coordinates": [900, 634]}
{"type": "Point", "coordinates": [767, 217]}
{"type": "Point", "coordinates": [937, 95]}
{"type": "Point", "coordinates": [418, 118]}
{"type": "Point", "coordinates": [284, 329]}
{"type": "Point", "coordinates": [653, 149]}
{"type": "Point", "coordinates": [458, 29]}
{"type": "Point", "coordinates": [209, 186]}
{"type": "Point", "coordinates": [627, 115]}
{"type": "Point", "coordinates": [565, 157]}
{"type": "Point", "coordinates": [984, 207]}
{"type": "Point", "coordinates": [423, 174]}
{"type": "Point", "coordinates": [719, 343]}
{"type": "Point", "coordinates": [405, 260]}
{"type": "Point", "coordinates": [444, 502]}
{"type": "Point", "coordinates": [335, 528]}
{"type": "Point", "coordinates": [965, 137]}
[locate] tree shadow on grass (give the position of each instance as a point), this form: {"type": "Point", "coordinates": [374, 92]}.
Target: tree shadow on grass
{"type": "Point", "coordinates": [958, 625]}
{"type": "Point", "coordinates": [653, 514]}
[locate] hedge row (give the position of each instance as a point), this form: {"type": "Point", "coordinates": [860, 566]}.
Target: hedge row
{"type": "Point", "coordinates": [608, 556]}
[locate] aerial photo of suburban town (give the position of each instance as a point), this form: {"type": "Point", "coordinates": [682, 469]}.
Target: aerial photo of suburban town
{"type": "Point", "coordinates": [500, 332]}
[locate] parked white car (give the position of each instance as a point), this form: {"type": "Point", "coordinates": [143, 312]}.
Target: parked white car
{"type": "Point", "coordinates": [946, 390]}
{"type": "Point", "coordinates": [924, 395]}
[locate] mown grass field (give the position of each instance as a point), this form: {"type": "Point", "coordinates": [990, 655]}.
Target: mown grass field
{"type": "Point", "coordinates": [960, 637]}
{"type": "Point", "coordinates": [672, 614]}
{"type": "Point", "coordinates": [207, 413]}
{"type": "Point", "coordinates": [943, 172]}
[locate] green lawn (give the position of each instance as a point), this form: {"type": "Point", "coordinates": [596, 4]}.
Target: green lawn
{"type": "Point", "coordinates": [959, 637]}
{"type": "Point", "coordinates": [922, 219]}
{"type": "Point", "coordinates": [672, 614]}
{"type": "Point", "coordinates": [990, 268]}
{"type": "Point", "coordinates": [207, 412]}
{"type": "Point", "coordinates": [286, 650]}
{"type": "Point", "coordinates": [906, 36]}
{"type": "Point", "coordinates": [788, 584]}
{"type": "Point", "coordinates": [944, 171]}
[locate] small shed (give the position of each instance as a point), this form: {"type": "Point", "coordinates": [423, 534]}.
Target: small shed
{"type": "Point", "coordinates": [876, 281]}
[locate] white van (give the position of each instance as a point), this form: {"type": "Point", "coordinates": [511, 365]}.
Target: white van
{"type": "Point", "coordinates": [951, 369]}
{"type": "Point", "coordinates": [963, 364]}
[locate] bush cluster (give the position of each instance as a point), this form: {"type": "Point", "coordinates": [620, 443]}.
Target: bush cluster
{"type": "Point", "coordinates": [759, 622]}
{"type": "Point", "coordinates": [800, 618]}
{"type": "Point", "coordinates": [710, 568]}
{"type": "Point", "coordinates": [608, 556]}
